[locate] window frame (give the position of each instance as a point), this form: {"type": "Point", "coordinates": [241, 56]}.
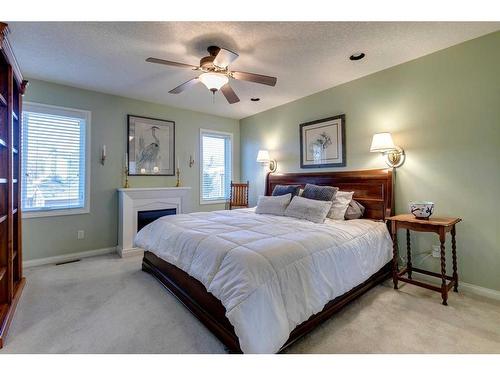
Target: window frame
{"type": "Point", "coordinates": [214, 132]}
{"type": "Point", "coordinates": [61, 111]}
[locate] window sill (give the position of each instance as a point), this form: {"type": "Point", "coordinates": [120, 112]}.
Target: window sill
{"type": "Point", "coordinates": [49, 213]}
{"type": "Point", "coordinates": [222, 201]}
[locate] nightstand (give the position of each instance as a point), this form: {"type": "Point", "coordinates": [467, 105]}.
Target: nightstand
{"type": "Point", "coordinates": [438, 225]}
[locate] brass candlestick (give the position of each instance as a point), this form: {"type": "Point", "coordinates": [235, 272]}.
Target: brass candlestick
{"type": "Point", "coordinates": [126, 185]}
{"type": "Point", "coordinates": [178, 173]}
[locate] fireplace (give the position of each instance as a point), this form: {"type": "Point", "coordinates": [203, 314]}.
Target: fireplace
{"type": "Point", "coordinates": [140, 206]}
{"type": "Point", "coordinates": [146, 217]}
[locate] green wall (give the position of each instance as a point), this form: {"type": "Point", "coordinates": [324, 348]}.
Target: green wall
{"type": "Point", "coordinates": [444, 110]}
{"type": "Point", "coordinates": [51, 236]}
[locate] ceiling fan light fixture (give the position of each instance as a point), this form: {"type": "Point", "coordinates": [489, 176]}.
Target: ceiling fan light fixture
{"type": "Point", "coordinates": [215, 73]}
{"type": "Point", "coordinates": [213, 81]}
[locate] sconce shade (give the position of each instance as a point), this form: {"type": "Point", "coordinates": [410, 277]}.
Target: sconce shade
{"type": "Point", "coordinates": [263, 156]}
{"type": "Point", "coordinates": [382, 142]}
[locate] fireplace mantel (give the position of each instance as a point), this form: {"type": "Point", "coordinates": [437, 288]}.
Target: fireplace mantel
{"type": "Point", "coordinates": [133, 200]}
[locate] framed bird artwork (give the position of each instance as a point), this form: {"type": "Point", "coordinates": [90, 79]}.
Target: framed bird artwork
{"type": "Point", "coordinates": [322, 143]}
{"type": "Point", "coordinates": [150, 146]}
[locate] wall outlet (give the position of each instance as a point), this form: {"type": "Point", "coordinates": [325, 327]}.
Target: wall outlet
{"type": "Point", "coordinates": [436, 251]}
{"type": "Point", "coordinates": [80, 234]}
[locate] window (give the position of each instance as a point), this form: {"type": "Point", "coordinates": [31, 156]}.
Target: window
{"type": "Point", "coordinates": [55, 160]}
{"type": "Point", "coordinates": [216, 166]}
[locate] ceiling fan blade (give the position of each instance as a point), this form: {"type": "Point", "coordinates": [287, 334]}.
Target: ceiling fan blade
{"type": "Point", "coordinates": [184, 86]}
{"type": "Point", "coordinates": [224, 58]}
{"type": "Point", "coordinates": [171, 63]}
{"type": "Point", "coordinates": [229, 94]}
{"type": "Point", "coordinates": [257, 78]}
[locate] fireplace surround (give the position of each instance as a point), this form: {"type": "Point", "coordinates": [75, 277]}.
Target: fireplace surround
{"type": "Point", "coordinates": [133, 201]}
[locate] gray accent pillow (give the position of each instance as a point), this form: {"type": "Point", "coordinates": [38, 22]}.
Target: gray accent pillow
{"type": "Point", "coordinates": [354, 211]}
{"type": "Point", "coordinates": [273, 205]}
{"type": "Point", "coordinates": [308, 209]}
{"type": "Point", "coordinates": [319, 193]}
{"type": "Point", "coordinates": [285, 189]}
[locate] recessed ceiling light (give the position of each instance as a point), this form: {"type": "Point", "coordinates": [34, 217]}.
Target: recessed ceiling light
{"type": "Point", "coordinates": [357, 56]}
{"type": "Point", "coordinates": [254, 99]}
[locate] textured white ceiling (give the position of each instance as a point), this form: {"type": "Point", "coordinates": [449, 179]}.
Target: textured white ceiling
{"type": "Point", "coordinates": [307, 57]}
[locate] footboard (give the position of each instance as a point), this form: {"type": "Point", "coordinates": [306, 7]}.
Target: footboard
{"type": "Point", "coordinates": [210, 311]}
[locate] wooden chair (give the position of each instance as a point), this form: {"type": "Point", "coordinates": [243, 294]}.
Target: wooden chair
{"type": "Point", "coordinates": [238, 197]}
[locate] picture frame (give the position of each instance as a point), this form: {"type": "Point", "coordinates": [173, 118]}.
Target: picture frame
{"type": "Point", "coordinates": [150, 146]}
{"type": "Point", "coordinates": [322, 143]}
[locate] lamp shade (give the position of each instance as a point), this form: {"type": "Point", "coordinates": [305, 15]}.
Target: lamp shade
{"type": "Point", "coordinates": [213, 81]}
{"type": "Point", "coordinates": [382, 142]}
{"type": "Point", "coordinates": [263, 156]}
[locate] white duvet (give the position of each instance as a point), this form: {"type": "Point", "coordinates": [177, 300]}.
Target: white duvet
{"type": "Point", "coordinates": [271, 273]}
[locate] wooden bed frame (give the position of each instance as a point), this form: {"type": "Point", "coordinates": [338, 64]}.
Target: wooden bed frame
{"type": "Point", "coordinates": [372, 188]}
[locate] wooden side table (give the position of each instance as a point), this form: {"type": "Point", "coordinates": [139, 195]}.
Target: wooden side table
{"type": "Point", "coordinates": [439, 225]}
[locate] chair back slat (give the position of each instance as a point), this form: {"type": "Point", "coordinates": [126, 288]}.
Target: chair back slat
{"type": "Point", "coordinates": [238, 196]}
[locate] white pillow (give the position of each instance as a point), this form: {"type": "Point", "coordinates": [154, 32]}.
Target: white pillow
{"type": "Point", "coordinates": [308, 209]}
{"type": "Point", "coordinates": [273, 205]}
{"type": "Point", "coordinates": [340, 204]}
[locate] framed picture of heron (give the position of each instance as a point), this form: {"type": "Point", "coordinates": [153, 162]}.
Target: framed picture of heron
{"type": "Point", "coordinates": [151, 146]}
{"type": "Point", "coordinates": [322, 143]}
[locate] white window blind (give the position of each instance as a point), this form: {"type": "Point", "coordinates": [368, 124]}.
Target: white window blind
{"type": "Point", "coordinates": [54, 158]}
{"type": "Point", "coordinates": [216, 151]}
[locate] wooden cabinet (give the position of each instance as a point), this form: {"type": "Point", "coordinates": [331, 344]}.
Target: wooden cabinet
{"type": "Point", "coordinates": [12, 87]}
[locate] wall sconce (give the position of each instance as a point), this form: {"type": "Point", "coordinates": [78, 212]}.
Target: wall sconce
{"type": "Point", "coordinates": [103, 154]}
{"type": "Point", "coordinates": [382, 142]}
{"type": "Point", "coordinates": [263, 157]}
{"type": "Point", "coordinates": [191, 161]}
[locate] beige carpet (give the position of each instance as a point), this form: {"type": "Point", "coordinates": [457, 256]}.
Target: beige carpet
{"type": "Point", "coordinates": [108, 305]}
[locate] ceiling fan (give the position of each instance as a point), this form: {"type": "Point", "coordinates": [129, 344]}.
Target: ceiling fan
{"type": "Point", "coordinates": [215, 73]}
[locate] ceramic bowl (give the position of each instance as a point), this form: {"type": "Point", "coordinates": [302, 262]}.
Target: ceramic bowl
{"type": "Point", "coordinates": [421, 210]}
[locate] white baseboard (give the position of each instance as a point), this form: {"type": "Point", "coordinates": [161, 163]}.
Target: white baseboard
{"type": "Point", "coordinates": [125, 253]}
{"type": "Point", "coordinates": [67, 257]}
{"type": "Point", "coordinates": [479, 290]}
{"type": "Point", "coordinates": [466, 287]}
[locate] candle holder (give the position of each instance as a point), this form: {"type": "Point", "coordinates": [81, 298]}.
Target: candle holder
{"type": "Point", "coordinates": [126, 185]}
{"type": "Point", "coordinates": [178, 174]}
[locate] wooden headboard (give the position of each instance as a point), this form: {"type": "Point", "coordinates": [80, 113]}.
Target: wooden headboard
{"type": "Point", "coordinates": [372, 188]}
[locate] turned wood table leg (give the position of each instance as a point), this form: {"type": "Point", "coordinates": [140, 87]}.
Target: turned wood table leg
{"type": "Point", "coordinates": [454, 255]}
{"type": "Point", "coordinates": [394, 230]}
{"type": "Point", "coordinates": [444, 289]}
{"type": "Point", "coordinates": [408, 253]}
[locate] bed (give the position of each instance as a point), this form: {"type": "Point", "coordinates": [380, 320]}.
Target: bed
{"type": "Point", "coordinates": [260, 282]}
